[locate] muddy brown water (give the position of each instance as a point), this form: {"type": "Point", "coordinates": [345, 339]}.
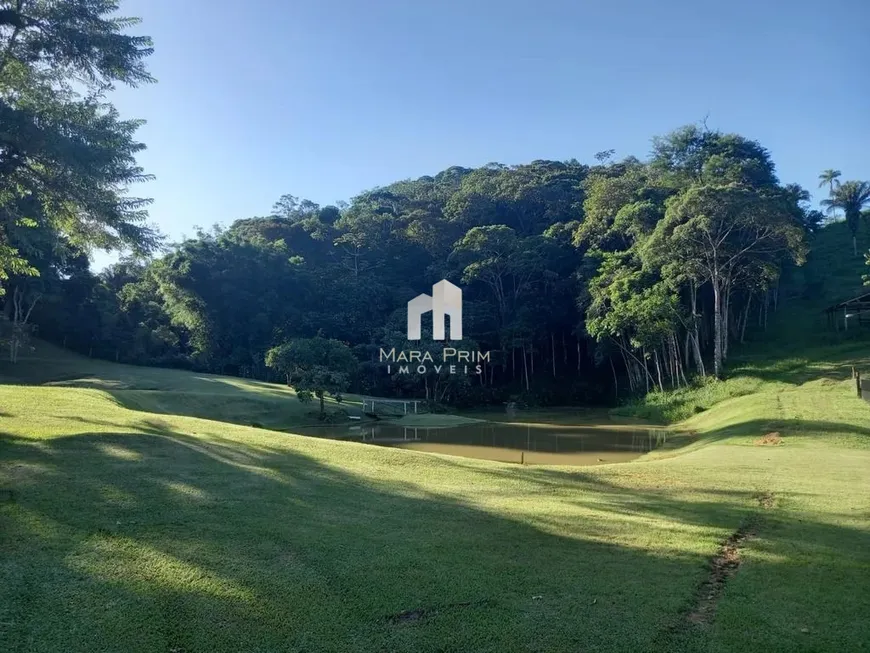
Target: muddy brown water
{"type": "Point", "coordinates": [528, 444]}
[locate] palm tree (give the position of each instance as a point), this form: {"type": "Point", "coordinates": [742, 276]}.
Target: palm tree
{"type": "Point", "coordinates": [829, 177]}
{"type": "Point", "coordinates": [850, 197]}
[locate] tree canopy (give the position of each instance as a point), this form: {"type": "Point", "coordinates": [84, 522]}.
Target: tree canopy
{"type": "Point", "coordinates": [67, 158]}
{"type": "Point", "coordinates": [583, 282]}
{"type": "Point", "coordinates": [850, 197]}
{"type": "Point", "coordinates": [317, 366]}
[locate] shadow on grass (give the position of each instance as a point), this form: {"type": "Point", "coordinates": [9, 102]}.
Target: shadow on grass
{"type": "Point", "coordinates": [244, 408]}
{"type": "Point", "coordinates": [159, 541]}
{"type": "Point", "coordinates": [834, 362]}
{"type": "Point", "coordinates": [164, 391]}
{"type": "Point", "coordinates": [274, 409]}
{"type": "Point", "coordinates": [787, 428]}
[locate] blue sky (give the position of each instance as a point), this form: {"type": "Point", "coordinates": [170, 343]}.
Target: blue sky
{"type": "Point", "coordinates": [324, 99]}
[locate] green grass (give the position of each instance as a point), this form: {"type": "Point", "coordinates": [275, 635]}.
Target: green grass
{"type": "Point", "coordinates": [172, 392]}
{"type": "Point", "coordinates": [749, 375]}
{"type": "Point", "coordinates": [177, 392]}
{"type": "Point", "coordinates": [124, 527]}
{"type": "Point", "coordinates": [798, 344]}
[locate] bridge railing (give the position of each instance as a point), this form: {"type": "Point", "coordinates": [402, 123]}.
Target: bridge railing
{"type": "Point", "coordinates": [862, 384]}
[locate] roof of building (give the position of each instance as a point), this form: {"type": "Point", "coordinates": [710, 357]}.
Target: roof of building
{"type": "Point", "coordinates": [861, 303]}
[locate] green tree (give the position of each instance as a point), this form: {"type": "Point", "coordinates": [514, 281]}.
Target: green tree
{"type": "Point", "coordinates": [723, 235]}
{"type": "Point", "coordinates": [829, 178]}
{"type": "Point", "coordinates": [51, 259]}
{"type": "Point", "coordinates": [637, 312]}
{"type": "Point", "coordinates": [66, 157]}
{"type": "Point", "coordinates": [317, 366]}
{"type": "Point", "coordinates": [850, 197]}
{"type": "Point", "coordinates": [627, 303]}
{"type": "Point", "coordinates": [235, 297]}
{"type": "Point", "coordinates": [572, 275]}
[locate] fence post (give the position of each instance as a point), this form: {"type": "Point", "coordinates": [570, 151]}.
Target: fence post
{"type": "Point", "coordinates": [858, 384]}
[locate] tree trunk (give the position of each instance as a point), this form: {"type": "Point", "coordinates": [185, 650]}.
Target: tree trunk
{"type": "Point", "coordinates": [717, 329]}
{"type": "Point", "coordinates": [627, 371]}
{"type": "Point", "coordinates": [322, 408]}
{"type": "Point", "coordinates": [726, 319]}
{"type": "Point", "coordinates": [553, 352]}
{"type": "Point", "coordinates": [686, 347]}
{"type": "Point", "coordinates": [658, 370]}
{"type": "Point", "coordinates": [615, 379]}
{"type": "Point", "coordinates": [695, 335]}
{"type": "Point", "coordinates": [20, 314]}
{"type": "Point", "coordinates": [645, 368]}
{"type": "Point", "coordinates": [680, 369]}
{"type": "Point", "coordinates": [699, 359]}
{"type": "Point", "coordinates": [525, 368]}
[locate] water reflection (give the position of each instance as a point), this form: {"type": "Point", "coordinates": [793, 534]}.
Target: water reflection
{"type": "Point", "coordinates": [513, 443]}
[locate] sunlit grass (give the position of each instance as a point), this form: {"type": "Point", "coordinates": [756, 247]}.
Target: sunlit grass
{"type": "Point", "coordinates": [749, 375]}
{"type": "Point", "coordinates": [172, 392]}
{"type": "Point", "coordinates": [142, 530]}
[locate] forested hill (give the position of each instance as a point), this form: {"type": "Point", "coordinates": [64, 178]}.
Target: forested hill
{"type": "Point", "coordinates": [586, 283]}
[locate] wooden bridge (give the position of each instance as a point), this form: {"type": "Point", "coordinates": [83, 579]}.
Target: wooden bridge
{"type": "Point", "coordinates": [377, 406]}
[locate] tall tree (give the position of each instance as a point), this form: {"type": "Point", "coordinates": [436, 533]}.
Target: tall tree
{"type": "Point", "coordinates": [725, 235]}
{"type": "Point", "coordinates": [575, 278]}
{"type": "Point", "coordinates": [235, 296]}
{"type": "Point", "coordinates": [66, 156]}
{"type": "Point", "coordinates": [850, 197]}
{"type": "Point", "coordinates": [829, 177]}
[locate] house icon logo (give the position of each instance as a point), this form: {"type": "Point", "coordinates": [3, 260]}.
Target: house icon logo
{"type": "Point", "coordinates": [446, 299]}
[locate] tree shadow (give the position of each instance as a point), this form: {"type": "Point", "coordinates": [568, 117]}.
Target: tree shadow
{"type": "Point", "coordinates": [165, 391]}
{"type": "Point", "coordinates": [787, 428]}
{"type": "Point", "coordinates": [150, 539]}
{"type": "Point", "coordinates": [833, 363]}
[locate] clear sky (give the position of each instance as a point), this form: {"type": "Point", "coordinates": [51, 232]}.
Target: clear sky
{"type": "Point", "coordinates": [325, 98]}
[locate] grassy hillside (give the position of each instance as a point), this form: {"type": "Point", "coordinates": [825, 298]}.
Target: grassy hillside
{"type": "Point", "coordinates": [798, 345]}
{"type": "Point", "coordinates": [139, 513]}
{"type": "Point", "coordinates": [832, 273]}
{"type": "Point", "coordinates": [170, 392]}
{"type": "Point", "coordinates": [122, 529]}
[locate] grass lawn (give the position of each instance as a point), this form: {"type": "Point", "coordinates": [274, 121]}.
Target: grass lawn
{"type": "Point", "coordinates": [172, 392]}
{"type": "Point", "coordinates": [125, 527]}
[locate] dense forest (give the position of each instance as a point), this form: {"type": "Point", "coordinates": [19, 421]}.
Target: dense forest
{"type": "Point", "coordinates": [585, 282]}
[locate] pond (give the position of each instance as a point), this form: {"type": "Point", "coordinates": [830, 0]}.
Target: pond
{"type": "Point", "coordinates": [528, 444]}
